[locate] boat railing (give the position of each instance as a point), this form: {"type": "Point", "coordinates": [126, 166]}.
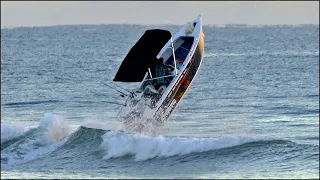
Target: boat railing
{"type": "Point", "coordinates": [160, 77]}
{"type": "Point", "coordinates": [174, 57]}
{"type": "Point", "coordinates": [175, 65]}
{"type": "Point", "coordinates": [173, 54]}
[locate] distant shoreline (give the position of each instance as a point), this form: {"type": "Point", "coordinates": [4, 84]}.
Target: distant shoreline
{"type": "Point", "coordinates": [208, 25]}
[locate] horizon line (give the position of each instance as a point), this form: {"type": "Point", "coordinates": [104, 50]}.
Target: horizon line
{"type": "Point", "coordinates": [161, 24]}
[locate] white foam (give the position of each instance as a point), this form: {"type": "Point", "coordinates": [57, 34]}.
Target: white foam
{"type": "Point", "coordinates": [104, 124]}
{"type": "Point", "coordinates": [144, 147]}
{"type": "Point", "coordinates": [11, 131]}
{"type": "Point", "coordinates": [52, 133]}
{"type": "Point", "coordinates": [118, 124]}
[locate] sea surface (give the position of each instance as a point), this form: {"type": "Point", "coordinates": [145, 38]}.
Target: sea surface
{"type": "Point", "coordinates": [252, 111]}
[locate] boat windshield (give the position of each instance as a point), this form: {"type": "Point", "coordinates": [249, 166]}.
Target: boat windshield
{"type": "Point", "coordinates": [181, 52]}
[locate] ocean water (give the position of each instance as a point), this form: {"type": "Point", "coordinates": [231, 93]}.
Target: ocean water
{"type": "Point", "coordinates": [252, 111]}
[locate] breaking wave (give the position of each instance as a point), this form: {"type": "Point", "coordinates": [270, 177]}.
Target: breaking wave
{"type": "Point", "coordinates": [53, 136]}
{"type": "Point", "coordinates": [53, 143]}
{"type": "Point", "coordinates": [34, 143]}
{"type": "Point", "coordinates": [144, 147]}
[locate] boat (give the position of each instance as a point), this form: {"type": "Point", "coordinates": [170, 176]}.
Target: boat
{"type": "Point", "coordinates": [165, 66]}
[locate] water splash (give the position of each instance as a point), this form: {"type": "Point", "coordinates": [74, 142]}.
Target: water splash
{"type": "Point", "coordinates": [51, 133]}
{"type": "Point", "coordinates": [55, 127]}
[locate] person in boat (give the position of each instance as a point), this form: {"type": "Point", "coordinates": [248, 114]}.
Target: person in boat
{"type": "Point", "coordinates": [161, 70]}
{"type": "Point", "coordinates": [157, 85]}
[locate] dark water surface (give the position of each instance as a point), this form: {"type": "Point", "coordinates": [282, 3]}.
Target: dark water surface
{"type": "Point", "coordinates": [251, 112]}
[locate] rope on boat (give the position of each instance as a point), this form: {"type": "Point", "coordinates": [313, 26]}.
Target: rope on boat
{"type": "Point", "coordinates": [122, 93]}
{"type": "Point", "coordinates": [122, 88]}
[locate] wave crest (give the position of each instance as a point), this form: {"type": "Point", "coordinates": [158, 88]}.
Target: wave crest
{"type": "Point", "coordinates": [51, 133]}
{"type": "Point", "coordinates": [143, 147]}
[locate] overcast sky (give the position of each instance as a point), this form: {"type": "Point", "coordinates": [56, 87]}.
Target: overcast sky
{"type": "Point", "coordinates": [31, 13]}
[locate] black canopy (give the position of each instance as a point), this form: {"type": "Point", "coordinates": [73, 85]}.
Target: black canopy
{"type": "Point", "coordinates": [142, 56]}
